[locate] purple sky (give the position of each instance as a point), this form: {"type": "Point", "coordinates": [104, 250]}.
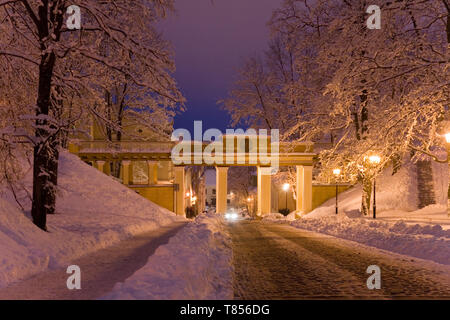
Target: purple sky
{"type": "Point", "coordinates": [210, 41]}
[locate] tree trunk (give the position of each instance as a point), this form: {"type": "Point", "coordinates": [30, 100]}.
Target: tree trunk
{"type": "Point", "coordinates": [356, 124]}
{"type": "Point", "coordinates": [53, 178]}
{"type": "Point", "coordinates": [55, 141]}
{"type": "Point", "coordinates": [447, 6]}
{"type": "Point", "coordinates": [44, 151]}
{"type": "Point", "coordinates": [366, 194]}
{"type": "Point", "coordinates": [364, 114]}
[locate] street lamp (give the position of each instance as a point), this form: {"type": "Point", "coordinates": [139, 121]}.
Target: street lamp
{"type": "Point", "coordinates": [374, 160]}
{"type": "Point", "coordinates": [337, 173]}
{"type": "Point", "coordinates": [447, 137]}
{"type": "Point", "coordinates": [286, 187]}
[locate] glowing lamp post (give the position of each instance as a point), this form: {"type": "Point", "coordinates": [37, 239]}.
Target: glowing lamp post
{"type": "Point", "coordinates": [447, 140]}
{"type": "Point", "coordinates": [447, 137]}
{"type": "Point", "coordinates": [337, 173]}
{"type": "Point", "coordinates": [374, 160]}
{"type": "Point", "coordinates": [286, 187]}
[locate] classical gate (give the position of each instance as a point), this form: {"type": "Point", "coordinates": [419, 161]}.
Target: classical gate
{"type": "Point", "coordinates": [178, 155]}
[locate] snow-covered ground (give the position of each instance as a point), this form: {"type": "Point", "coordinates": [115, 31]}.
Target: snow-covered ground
{"type": "Point", "coordinates": [399, 226]}
{"type": "Point", "coordinates": [93, 212]}
{"type": "Point", "coordinates": [421, 241]}
{"type": "Point", "coordinates": [195, 264]}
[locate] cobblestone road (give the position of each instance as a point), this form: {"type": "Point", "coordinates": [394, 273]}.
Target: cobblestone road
{"type": "Point", "coordinates": [275, 261]}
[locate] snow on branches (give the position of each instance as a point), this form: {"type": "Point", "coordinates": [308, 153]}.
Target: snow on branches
{"type": "Point", "coordinates": [359, 89]}
{"type": "Point", "coordinates": [55, 78]}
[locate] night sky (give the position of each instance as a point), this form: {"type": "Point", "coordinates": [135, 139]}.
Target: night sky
{"type": "Point", "coordinates": [210, 41]}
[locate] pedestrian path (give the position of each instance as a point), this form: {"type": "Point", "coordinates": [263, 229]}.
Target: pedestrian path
{"type": "Point", "coordinates": [100, 270]}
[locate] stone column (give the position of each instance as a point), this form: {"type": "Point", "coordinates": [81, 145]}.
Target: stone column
{"type": "Point", "coordinates": [299, 181]}
{"type": "Point", "coordinates": [107, 168]}
{"type": "Point", "coordinates": [152, 172]}
{"type": "Point", "coordinates": [221, 189]}
{"type": "Point", "coordinates": [304, 189]}
{"type": "Point", "coordinates": [101, 166]}
{"type": "Point", "coordinates": [264, 191]}
{"type": "Point", "coordinates": [179, 179]}
{"type": "Point", "coordinates": [126, 172]}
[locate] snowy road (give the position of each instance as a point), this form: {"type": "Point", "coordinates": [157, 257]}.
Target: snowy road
{"type": "Point", "coordinates": [100, 271]}
{"type": "Point", "coordinates": [274, 261]}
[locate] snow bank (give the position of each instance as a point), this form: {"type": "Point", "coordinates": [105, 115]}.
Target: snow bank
{"type": "Point", "coordinates": [274, 216]}
{"type": "Point", "coordinates": [397, 192]}
{"type": "Point", "coordinates": [426, 242]}
{"type": "Point", "coordinates": [278, 216]}
{"type": "Point", "coordinates": [196, 264]}
{"type": "Point", "coordinates": [399, 227]}
{"type": "Point", "coordinates": [93, 211]}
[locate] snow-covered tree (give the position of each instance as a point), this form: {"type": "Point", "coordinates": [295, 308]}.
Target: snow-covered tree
{"type": "Point", "coordinates": [59, 66]}
{"type": "Point", "coordinates": [363, 91]}
{"type": "Point", "coordinates": [257, 99]}
{"type": "Point", "coordinates": [382, 91]}
{"type": "Point", "coordinates": [198, 182]}
{"type": "Point", "coordinates": [241, 184]}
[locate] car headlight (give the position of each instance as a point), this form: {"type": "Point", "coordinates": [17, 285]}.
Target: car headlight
{"type": "Point", "coordinates": [231, 216]}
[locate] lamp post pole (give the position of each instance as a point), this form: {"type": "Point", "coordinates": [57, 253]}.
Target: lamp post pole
{"type": "Point", "coordinates": [374, 199]}
{"type": "Point", "coordinates": [337, 172]}
{"type": "Point", "coordinates": [336, 198]}
{"type": "Point", "coordinates": [375, 160]}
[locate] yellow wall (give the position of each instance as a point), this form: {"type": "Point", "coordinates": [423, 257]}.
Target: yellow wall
{"type": "Point", "coordinates": [291, 202]}
{"type": "Point", "coordinates": [161, 195]}
{"type": "Point", "coordinates": [322, 193]}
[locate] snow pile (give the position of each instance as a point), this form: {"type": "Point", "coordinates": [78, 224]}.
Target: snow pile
{"type": "Point", "coordinates": [274, 216]}
{"type": "Point", "coordinates": [279, 217]}
{"type": "Point", "coordinates": [196, 264]}
{"type": "Point", "coordinates": [399, 227]}
{"type": "Point", "coordinates": [397, 192]}
{"type": "Point", "coordinates": [426, 242]}
{"type": "Point", "coordinates": [93, 211]}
